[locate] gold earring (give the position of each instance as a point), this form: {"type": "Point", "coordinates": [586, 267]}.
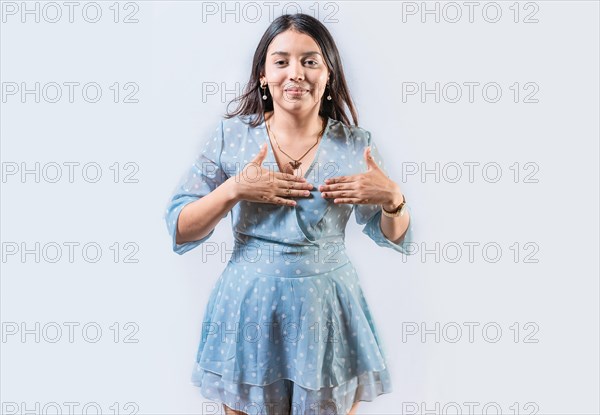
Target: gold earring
{"type": "Point", "coordinates": [264, 96]}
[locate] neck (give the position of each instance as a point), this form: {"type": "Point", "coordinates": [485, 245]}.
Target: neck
{"type": "Point", "coordinates": [290, 125]}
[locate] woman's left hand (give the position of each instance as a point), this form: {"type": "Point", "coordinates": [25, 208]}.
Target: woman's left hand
{"type": "Point", "coordinates": [372, 187]}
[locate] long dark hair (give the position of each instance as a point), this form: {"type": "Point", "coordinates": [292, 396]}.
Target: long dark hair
{"type": "Point", "coordinates": [251, 102]}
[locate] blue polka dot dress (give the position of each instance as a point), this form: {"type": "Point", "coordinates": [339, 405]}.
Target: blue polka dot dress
{"type": "Point", "coordinates": [287, 328]}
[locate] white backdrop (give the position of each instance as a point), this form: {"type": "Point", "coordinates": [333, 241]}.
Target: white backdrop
{"type": "Point", "coordinates": [486, 115]}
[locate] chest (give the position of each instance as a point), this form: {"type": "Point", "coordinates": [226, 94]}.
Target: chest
{"type": "Point", "coordinates": [294, 159]}
{"type": "Point", "coordinates": [332, 156]}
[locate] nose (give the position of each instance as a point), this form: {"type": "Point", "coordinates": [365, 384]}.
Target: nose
{"type": "Point", "coordinates": [296, 71]}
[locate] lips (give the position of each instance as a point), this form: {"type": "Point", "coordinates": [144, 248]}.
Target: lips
{"type": "Point", "coordinates": [295, 88]}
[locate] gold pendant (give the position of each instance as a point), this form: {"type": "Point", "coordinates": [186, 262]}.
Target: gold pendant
{"type": "Point", "coordinates": [295, 164]}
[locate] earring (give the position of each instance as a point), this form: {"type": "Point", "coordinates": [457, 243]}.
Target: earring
{"type": "Point", "coordinates": [264, 97]}
{"type": "Point", "coordinates": [328, 95]}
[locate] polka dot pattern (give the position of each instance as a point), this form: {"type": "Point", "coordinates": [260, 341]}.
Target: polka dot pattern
{"type": "Point", "coordinates": [317, 332]}
{"type": "Point", "coordinates": [314, 219]}
{"type": "Point", "coordinates": [287, 322]}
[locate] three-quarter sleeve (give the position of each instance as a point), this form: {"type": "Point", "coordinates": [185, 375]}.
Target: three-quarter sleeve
{"type": "Point", "coordinates": [204, 176]}
{"type": "Point", "coordinates": [370, 215]}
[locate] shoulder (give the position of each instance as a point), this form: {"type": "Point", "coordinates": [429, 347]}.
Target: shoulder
{"type": "Point", "coordinates": [234, 127]}
{"type": "Point", "coordinates": [238, 122]}
{"type": "Point", "coordinates": [237, 130]}
{"type": "Point", "coordinates": [230, 124]}
{"type": "Point", "coordinates": [352, 134]}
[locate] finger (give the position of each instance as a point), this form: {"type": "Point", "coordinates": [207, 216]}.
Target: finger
{"type": "Point", "coordinates": [282, 201]}
{"type": "Point", "coordinates": [287, 191]}
{"type": "Point", "coordinates": [294, 184]}
{"type": "Point", "coordinates": [341, 179]}
{"type": "Point", "coordinates": [369, 159]}
{"type": "Point", "coordinates": [348, 200]}
{"type": "Point", "coordinates": [333, 187]}
{"type": "Point", "coordinates": [339, 193]}
{"type": "Point", "coordinates": [289, 177]}
{"type": "Point", "coordinates": [262, 153]}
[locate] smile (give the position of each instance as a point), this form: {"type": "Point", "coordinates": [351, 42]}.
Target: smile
{"type": "Point", "coordinates": [296, 92]}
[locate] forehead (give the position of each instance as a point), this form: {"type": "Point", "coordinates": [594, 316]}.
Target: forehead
{"type": "Point", "coordinates": [293, 42]}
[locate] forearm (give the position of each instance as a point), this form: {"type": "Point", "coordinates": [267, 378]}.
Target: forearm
{"type": "Point", "coordinates": [394, 228]}
{"type": "Point", "coordinates": [199, 218]}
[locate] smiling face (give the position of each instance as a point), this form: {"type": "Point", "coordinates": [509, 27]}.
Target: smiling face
{"type": "Point", "coordinates": [295, 72]}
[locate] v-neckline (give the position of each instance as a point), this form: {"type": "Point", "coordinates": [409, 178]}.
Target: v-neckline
{"type": "Point", "coordinates": [319, 146]}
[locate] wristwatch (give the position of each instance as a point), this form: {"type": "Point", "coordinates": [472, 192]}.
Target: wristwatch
{"type": "Point", "coordinates": [399, 210]}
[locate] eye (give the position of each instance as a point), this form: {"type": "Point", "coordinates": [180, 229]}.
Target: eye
{"type": "Point", "coordinates": [278, 62]}
{"type": "Point", "coordinates": [313, 62]}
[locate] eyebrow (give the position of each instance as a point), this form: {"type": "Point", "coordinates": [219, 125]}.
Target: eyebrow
{"type": "Point", "coordinates": [278, 52]}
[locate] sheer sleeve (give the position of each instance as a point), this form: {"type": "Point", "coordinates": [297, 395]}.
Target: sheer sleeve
{"type": "Point", "coordinates": [201, 178]}
{"type": "Point", "coordinates": [370, 215]}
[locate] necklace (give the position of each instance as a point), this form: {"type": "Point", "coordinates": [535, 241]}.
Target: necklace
{"type": "Point", "coordinates": [295, 163]}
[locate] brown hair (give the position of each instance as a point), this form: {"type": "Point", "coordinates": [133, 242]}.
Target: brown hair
{"type": "Point", "coordinates": [251, 101]}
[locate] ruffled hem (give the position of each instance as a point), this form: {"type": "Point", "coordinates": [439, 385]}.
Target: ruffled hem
{"type": "Point", "coordinates": [317, 331]}
{"type": "Point", "coordinates": [284, 396]}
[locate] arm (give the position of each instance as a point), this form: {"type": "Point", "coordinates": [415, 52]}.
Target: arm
{"type": "Point", "coordinates": [395, 233]}
{"type": "Point", "coordinates": [187, 202]}
{"type": "Point", "coordinates": [395, 228]}
{"type": "Point", "coordinates": [198, 219]}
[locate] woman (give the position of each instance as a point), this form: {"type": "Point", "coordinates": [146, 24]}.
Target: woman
{"type": "Point", "coordinates": [287, 329]}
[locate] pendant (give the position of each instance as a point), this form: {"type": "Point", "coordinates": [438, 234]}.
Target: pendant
{"type": "Point", "coordinates": [295, 164]}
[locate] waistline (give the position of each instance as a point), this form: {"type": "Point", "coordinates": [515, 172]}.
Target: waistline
{"type": "Point", "coordinates": [278, 259]}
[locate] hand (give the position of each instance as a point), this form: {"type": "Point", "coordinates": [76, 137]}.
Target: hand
{"type": "Point", "coordinates": [371, 187]}
{"type": "Point", "coordinates": [257, 184]}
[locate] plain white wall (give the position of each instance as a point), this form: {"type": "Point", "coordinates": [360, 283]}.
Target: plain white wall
{"type": "Point", "coordinates": [545, 292]}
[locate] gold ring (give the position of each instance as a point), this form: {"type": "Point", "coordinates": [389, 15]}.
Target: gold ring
{"type": "Point", "coordinates": [289, 191]}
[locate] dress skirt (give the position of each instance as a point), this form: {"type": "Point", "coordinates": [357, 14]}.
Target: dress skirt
{"type": "Point", "coordinates": [287, 330]}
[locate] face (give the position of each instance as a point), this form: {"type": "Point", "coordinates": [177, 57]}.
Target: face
{"type": "Point", "coordinates": [294, 60]}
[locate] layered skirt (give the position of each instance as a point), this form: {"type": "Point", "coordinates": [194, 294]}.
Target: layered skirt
{"type": "Point", "coordinates": [287, 330]}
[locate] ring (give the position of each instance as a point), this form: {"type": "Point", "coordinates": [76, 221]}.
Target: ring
{"type": "Point", "coordinates": [288, 191]}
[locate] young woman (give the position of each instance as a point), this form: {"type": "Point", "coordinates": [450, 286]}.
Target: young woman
{"type": "Point", "coordinates": [287, 329]}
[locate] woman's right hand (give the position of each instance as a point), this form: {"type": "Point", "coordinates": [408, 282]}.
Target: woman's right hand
{"type": "Point", "coordinates": [258, 184]}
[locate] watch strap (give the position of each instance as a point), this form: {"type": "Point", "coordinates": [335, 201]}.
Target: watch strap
{"type": "Point", "coordinates": [396, 212]}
